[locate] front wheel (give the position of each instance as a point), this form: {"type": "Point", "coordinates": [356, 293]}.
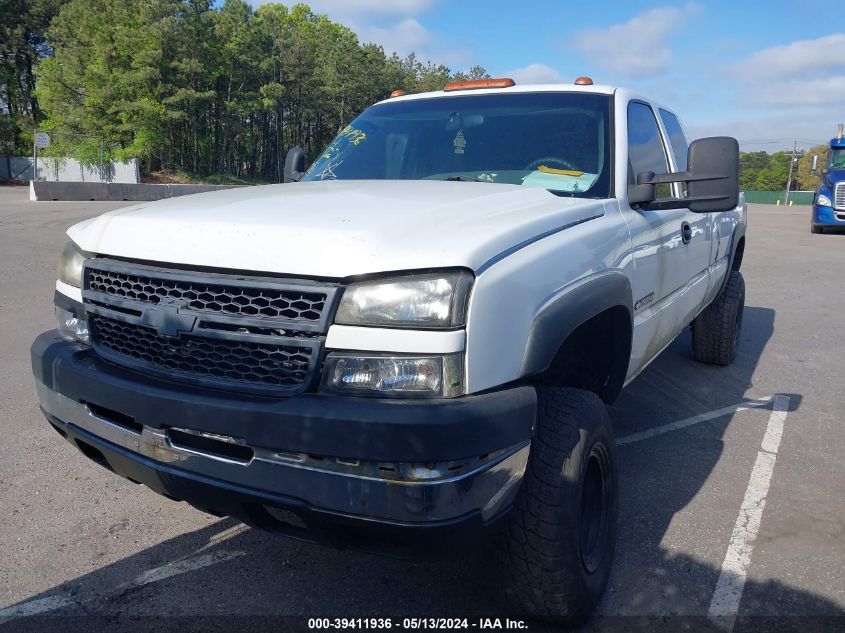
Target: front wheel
{"type": "Point", "coordinates": [557, 548]}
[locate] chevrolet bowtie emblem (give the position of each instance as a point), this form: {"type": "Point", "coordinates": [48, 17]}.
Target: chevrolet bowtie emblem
{"type": "Point", "coordinates": [167, 319]}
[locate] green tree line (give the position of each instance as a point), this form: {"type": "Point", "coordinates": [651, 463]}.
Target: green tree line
{"type": "Point", "coordinates": [770, 172]}
{"type": "Point", "coordinates": [23, 43]}
{"type": "Point", "coordinates": [209, 88]}
{"type": "Point", "coordinates": [192, 86]}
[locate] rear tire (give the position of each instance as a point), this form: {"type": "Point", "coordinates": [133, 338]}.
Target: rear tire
{"type": "Point", "coordinates": [716, 331]}
{"type": "Point", "coordinates": [557, 548]}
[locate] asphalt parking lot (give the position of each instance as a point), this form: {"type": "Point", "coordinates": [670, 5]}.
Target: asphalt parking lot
{"type": "Point", "coordinates": [712, 491]}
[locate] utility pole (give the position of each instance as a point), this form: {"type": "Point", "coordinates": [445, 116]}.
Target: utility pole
{"type": "Point", "coordinates": [792, 156]}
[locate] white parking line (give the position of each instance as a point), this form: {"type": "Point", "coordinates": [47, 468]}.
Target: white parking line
{"type": "Point", "coordinates": [178, 567]}
{"type": "Point", "coordinates": [728, 593]}
{"type": "Point", "coordinates": [198, 560]}
{"type": "Point", "coordinates": [696, 419]}
{"type": "Point", "coordinates": [33, 607]}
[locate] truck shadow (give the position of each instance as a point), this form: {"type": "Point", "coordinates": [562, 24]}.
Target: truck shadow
{"type": "Point", "coordinates": [254, 579]}
{"type": "Point", "coordinates": [663, 475]}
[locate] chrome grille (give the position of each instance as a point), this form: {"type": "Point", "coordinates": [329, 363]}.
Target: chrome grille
{"type": "Point", "coordinates": [237, 332]}
{"type": "Point", "coordinates": [839, 196]}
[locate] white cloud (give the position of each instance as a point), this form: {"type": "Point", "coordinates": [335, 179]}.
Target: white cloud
{"type": "Point", "coordinates": [796, 76]}
{"type": "Point", "coordinates": [800, 92]}
{"type": "Point", "coordinates": [403, 37]}
{"type": "Point", "coordinates": [814, 57]}
{"type": "Point", "coordinates": [637, 48]}
{"type": "Point", "coordinates": [534, 74]}
{"type": "Point", "coordinates": [772, 132]}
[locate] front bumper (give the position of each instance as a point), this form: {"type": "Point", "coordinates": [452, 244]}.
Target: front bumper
{"type": "Point", "coordinates": [361, 464]}
{"type": "Point", "coordinates": [828, 216]}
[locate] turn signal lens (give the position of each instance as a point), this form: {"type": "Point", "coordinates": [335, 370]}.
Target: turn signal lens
{"type": "Point", "coordinates": [71, 327]}
{"type": "Point", "coordinates": [583, 81]}
{"type": "Point", "coordinates": [361, 375]}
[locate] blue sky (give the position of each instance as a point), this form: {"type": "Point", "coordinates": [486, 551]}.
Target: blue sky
{"type": "Point", "coordinates": [765, 72]}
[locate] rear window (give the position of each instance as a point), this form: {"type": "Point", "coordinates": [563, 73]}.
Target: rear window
{"type": "Point", "coordinates": [676, 138]}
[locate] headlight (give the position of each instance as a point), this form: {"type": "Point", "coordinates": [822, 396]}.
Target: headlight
{"type": "Point", "coordinates": [372, 375]}
{"type": "Point", "coordinates": [431, 300]}
{"type": "Point", "coordinates": [70, 264]}
{"type": "Point", "coordinates": [823, 201]}
{"type": "Point", "coordinates": [72, 327]}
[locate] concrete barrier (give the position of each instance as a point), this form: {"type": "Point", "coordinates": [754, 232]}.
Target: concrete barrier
{"type": "Point", "coordinates": [40, 190]}
{"type": "Point", "coordinates": [66, 170]}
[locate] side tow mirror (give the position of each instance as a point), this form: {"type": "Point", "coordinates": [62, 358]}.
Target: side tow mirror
{"type": "Point", "coordinates": [712, 178]}
{"type": "Point", "coordinates": [714, 165]}
{"type": "Point", "coordinates": [294, 164]}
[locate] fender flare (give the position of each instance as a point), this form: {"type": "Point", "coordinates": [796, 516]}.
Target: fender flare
{"type": "Point", "coordinates": [739, 233]}
{"type": "Point", "coordinates": [571, 308]}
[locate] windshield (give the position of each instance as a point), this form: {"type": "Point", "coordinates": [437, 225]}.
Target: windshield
{"type": "Point", "coordinates": [837, 158]}
{"type": "Point", "coordinates": [557, 141]}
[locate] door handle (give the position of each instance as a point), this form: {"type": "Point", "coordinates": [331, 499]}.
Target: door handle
{"type": "Point", "coordinates": [686, 232]}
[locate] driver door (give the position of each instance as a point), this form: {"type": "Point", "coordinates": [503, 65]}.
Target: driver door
{"type": "Point", "coordinates": [670, 248]}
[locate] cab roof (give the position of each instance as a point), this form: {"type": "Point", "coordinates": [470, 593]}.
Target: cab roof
{"type": "Point", "coordinates": [519, 88]}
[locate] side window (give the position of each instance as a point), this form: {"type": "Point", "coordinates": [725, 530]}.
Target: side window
{"type": "Point", "coordinates": [677, 139]}
{"type": "Point", "coordinates": [645, 146]}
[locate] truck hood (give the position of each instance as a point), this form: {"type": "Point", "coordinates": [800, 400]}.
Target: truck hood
{"type": "Point", "coordinates": [335, 228]}
{"type": "Point", "coordinates": [834, 176]}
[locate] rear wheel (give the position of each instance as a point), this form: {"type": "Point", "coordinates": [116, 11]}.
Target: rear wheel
{"type": "Point", "coordinates": [557, 548]}
{"type": "Point", "coordinates": [715, 332]}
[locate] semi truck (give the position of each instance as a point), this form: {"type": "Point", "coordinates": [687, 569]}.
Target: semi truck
{"type": "Point", "coordinates": [829, 201]}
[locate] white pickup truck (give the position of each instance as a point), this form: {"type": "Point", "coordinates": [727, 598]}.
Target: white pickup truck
{"type": "Point", "coordinates": [419, 337]}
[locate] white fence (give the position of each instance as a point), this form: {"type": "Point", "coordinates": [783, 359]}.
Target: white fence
{"type": "Point", "coordinates": [66, 170]}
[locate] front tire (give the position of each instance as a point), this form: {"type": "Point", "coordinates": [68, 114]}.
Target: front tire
{"type": "Point", "coordinates": [557, 548]}
{"type": "Point", "coordinates": [716, 331]}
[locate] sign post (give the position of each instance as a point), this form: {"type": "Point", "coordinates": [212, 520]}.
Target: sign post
{"type": "Point", "coordinates": [42, 139]}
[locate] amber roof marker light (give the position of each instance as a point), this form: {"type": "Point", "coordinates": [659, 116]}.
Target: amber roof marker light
{"type": "Point", "coordinates": [396, 93]}
{"type": "Point", "coordinates": [477, 84]}
{"type": "Point", "coordinates": [583, 81]}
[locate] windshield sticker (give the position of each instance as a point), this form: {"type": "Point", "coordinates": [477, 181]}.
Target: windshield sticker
{"type": "Point", "coordinates": [460, 142]}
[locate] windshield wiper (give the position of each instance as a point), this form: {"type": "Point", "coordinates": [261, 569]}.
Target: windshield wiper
{"type": "Point", "coordinates": [464, 179]}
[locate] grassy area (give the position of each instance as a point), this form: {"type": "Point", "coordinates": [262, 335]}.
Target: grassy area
{"type": "Point", "coordinates": [172, 177]}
